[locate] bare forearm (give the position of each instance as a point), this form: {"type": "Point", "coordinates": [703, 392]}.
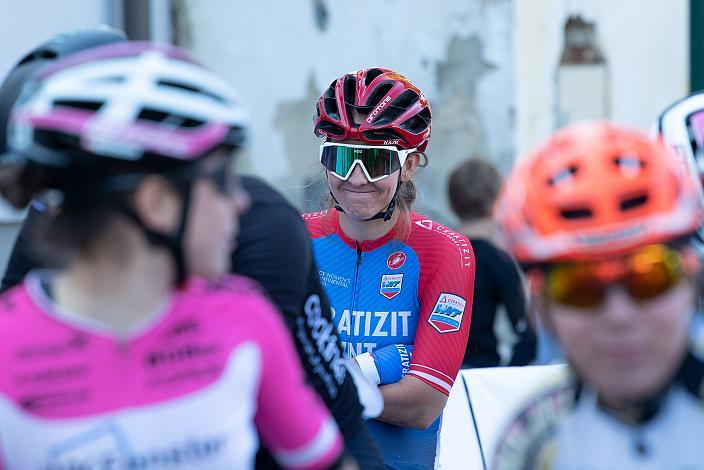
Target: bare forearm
{"type": "Point", "coordinates": [411, 403]}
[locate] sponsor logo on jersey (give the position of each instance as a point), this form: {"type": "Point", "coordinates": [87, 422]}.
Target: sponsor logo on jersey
{"type": "Point", "coordinates": [108, 444]}
{"type": "Point", "coordinates": [328, 279]}
{"type": "Point", "coordinates": [447, 313]}
{"type": "Point", "coordinates": [396, 260]}
{"type": "Point", "coordinates": [391, 285]}
{"type": "Point", "coordinates": [353, 323]}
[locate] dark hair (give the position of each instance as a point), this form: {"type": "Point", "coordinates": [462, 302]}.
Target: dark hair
{"type": "Point", "coordinates": [84, 207]}
{"type": "Point", "coordinates": [473, 188]}
{"type": "Point", "coordinates": [62, 231]}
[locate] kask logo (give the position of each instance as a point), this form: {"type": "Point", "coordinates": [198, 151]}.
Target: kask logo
{"type": "Point", "coordinates": [391, 285]}
{"type": "Point", "coordinates": [396, 260]}
{"type": "Point", "coordinates": [447, 313]}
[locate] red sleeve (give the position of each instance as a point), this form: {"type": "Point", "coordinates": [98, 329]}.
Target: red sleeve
{"type": "Point", "coordinates": [292, 421]}
{"type": "Point", "coordinates": [445, 290]}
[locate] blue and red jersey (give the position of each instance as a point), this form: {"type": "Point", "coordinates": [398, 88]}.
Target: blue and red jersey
{"type": "Point", "coordinates": [413, 286]}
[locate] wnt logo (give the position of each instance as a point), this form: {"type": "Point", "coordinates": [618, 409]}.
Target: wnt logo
{"type": "Point", "coordinates": [391, 285]}
{"type": "Point", "coordinates": [447, 314]}
{"type": "Point", "coordinates": [396, 260]}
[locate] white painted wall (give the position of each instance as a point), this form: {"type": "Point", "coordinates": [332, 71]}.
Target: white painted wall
{"type": "Point", "coordinates": [458, 52]}
{"type": "Point", "coordinates": [646, 44]}
{"type": "Point", "coordinates": [27, 23]}
{"type": "Point", "coordinates": [24, 25]}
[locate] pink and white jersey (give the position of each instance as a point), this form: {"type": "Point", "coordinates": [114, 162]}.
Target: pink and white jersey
{"type": "Point", "coordinates": [192, 389]}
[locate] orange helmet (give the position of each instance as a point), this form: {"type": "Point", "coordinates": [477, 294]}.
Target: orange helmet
{"type": "Point", "coordinates": [596, 189]}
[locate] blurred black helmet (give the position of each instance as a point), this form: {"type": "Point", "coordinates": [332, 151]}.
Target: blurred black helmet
{"type": "Point", "coordinates": [57, 47]}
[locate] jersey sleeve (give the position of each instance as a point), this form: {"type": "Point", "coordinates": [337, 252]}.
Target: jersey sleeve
{"type": "Point", "coordinates": [292, 421]}
{"type": "Point", "coordinates": [445, 291]}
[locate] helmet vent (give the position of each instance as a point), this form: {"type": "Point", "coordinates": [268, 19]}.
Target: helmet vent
{"type": "Point", "coordinates": [563, 176]}
{"type": "Point", "coordinates": [329, 128]}
{"type": "Point", "coordinates": [155, 115]}
{"type": "Point", "coordinates": [382, 134]}
{"type": "Point", "coordinates": [397, 107]}
{"type": "Point", "coordinates": [185, 87]}
{"type": "Point", "coordinates": [350, 90]}
{"type": "Point", "coordinates": [371, 75]}
{"type": "Point", "coordinates": [633, 202]}
{"type": "Point", "coordinates": [578, 213]}
{"type": "Point", "coordinates": [44, 54]}
{"type": "Point", "coordinates": [378, 94]}
{"type": "Point", "coordinates": [418, 123]}
{"type": "Point", "coordinates": [630, 165]}
{"type": "Point", "coordinates": [79, 104]}
{"type": "Point", "coordinates": [330, 103]}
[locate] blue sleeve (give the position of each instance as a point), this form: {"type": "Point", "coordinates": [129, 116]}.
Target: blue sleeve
{"type": "Point", "coordinates": [392, 362]}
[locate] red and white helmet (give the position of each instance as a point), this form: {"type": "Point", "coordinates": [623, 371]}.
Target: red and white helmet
{"type": "Point", "coordinates": [376, 106]}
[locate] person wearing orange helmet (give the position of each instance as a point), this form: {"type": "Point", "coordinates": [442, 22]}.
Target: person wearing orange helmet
{"type": "Point", "coordinates": [600, 217]}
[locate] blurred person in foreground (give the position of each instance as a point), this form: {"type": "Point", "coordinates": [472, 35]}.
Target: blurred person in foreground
{"type": "Point", "coordinates": [601, 217]}
{"type": "Point", "coordinates": [280, 260]}
{"type": "Point", "coordinates": [472, 189]}
{"type": "Point", "coordinates": [141, 348]}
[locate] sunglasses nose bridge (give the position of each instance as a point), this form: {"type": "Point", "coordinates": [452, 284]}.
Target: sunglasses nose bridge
{"type": "Point", "coordinates": [619, 308]}
{"type": "Point", "coordinates": [357, 173]}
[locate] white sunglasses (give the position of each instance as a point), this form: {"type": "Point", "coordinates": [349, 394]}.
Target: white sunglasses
{"type": "Point", "coordinates": [377, 161]}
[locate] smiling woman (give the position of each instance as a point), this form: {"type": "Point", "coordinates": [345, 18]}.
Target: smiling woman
{"type": "Point", "coordinates": [411, 280]}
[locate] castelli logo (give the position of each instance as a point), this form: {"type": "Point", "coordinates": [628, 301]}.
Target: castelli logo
{"type": "Point", "coordinates": [396, 260]}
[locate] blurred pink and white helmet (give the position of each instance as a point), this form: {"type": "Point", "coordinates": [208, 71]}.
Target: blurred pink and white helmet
{"type": "Point", "coordinates": [129, 101]}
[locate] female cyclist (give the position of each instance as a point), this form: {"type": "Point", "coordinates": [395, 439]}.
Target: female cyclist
{"type": "Point", "coordinates": [139, 352]}
{"type": "Point", "coordinates": [281, 261]}
{"type": "Point", "coordinates": [399, 284]}
{"type": "Point", "coordinates": [601, 218]}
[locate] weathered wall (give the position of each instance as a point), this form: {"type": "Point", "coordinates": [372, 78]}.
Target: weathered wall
{"type": "Point", "coordinates": [645, 43]}
{"type": "Point", "coordinates": [25, 25]}
{"type": "Point", "coordinates": [281, 55]}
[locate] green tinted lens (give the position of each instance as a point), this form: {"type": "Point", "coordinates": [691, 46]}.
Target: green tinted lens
{"type": "Point", "coordinates": [377, 161]}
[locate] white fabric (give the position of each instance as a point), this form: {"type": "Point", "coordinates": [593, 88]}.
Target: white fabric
{"type": "Point", "coordinates": [591, 438]}
{"type": "Point", "coordinates": [497, 395]}
{"type": "Point", "coordinates": [368, 367]}
{"type": "Point", "coordinates": [369, 394]}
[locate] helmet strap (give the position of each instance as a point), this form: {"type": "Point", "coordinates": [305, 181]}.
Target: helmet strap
{"type": "Point", "coordinates": [385, 214]}
{"type": "Point", "coordinates": [173, 242]}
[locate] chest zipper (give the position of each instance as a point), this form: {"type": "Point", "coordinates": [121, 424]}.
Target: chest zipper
{"type": "Point", "coordinates": [356, 277]}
